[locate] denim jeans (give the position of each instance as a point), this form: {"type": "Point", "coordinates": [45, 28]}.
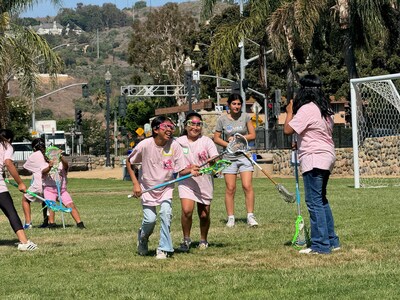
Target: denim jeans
{"type": "Point", "coordinates": [323, 236]}
{"type": "Point", "coordinates": [149, 222]}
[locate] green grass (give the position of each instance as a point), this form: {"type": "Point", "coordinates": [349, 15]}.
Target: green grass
{"type": "Point", "coordinates": [241, 263]}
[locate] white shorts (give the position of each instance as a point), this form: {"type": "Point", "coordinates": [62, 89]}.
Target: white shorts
{"type": "Point", "coordinates": [242, 164]}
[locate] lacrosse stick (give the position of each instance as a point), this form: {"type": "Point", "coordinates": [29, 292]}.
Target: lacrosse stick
{"type": "Point", "coordinates": [212, 170]}
{"type": "Point", "coordinates": [49, 203]}
{"type": "Point", "coordinates": [299, 240]}
{"type": "Point", "coordinates": [286, 195]}
{"type": "Point", "coordinates": [54, 154]}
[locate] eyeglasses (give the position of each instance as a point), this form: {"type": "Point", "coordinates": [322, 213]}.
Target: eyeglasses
{"type": "Point", "coordinates": [165, 126]}
{"type": "Point", "coordinates": [192, 123]}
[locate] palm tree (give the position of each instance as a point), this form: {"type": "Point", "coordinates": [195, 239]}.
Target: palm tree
{"type": "Point", "coordinates": [292, 25]}
{"type": "Point", "coordinates": [19, 50]}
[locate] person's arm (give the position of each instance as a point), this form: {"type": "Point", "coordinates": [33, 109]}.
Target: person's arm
{"type": "Point", "coordinates": [192, 169]}
{"type": "Point", "coordinates": [137, 190]}
{"type": "Point", "coordinates": [64, 163]}
{"type": "Point", "coordinates": [251, 131]}
{"type": "Point", "coordinates": [46, 170]}
{"type": "Point", "coordinates": [14, 173]}
{"type": "Point", "coordinates": [218, 139]}
{"type": "Point", "coordinates": [287, 129]}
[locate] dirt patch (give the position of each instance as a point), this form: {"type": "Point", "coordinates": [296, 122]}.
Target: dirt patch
{"type": "Point", "coordinates": [102, 173]}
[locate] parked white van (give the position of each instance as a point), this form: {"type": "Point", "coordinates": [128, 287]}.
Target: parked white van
{"type": "Point", "coordinates": [22, 150]}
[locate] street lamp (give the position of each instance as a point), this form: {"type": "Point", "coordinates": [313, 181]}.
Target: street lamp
{"type": "Point", "coordinates": [33, 95]}
{"type": "Point", "coordinates": [107, 77]}
{"type": "Point", "coordinates": [188, 80]}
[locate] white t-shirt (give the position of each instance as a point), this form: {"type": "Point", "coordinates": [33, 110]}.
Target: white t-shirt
{"type": "Point", "coordinates": [5, 153]}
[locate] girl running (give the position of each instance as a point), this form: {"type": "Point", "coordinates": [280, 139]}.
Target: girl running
{"type": "Point", "coordinates": [6, 202]}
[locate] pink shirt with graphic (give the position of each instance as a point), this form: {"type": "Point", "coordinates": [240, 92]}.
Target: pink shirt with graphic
{"type": "Point", "coordinates": [5, 153]}
{"type": "Point", "coordinates": [159, 163]}
{"type": "Point", "coordinates": [36, 164]}
{"type": "Point", "coordinates": [54, 177]}
{"type": "Point", "coordinates": [197, 153]}
{"type": "Point", "coordinates": [315, 142]}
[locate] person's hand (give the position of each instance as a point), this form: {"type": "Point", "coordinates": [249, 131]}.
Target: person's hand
{"type": "Point", "coordinates": [137, 191]}
{"type": "Point", "coordinates": [289, 107]}
{"type": "Point", "coordinates": [22, 187]}
{"type": "Point", "coordinates": [194, 170]}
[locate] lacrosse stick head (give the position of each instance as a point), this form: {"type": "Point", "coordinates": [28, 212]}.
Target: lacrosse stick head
{"type": "Point", "coordinates": [216, 167]}
{"type": "Point", "coordinates": [238, 144]}
{"type": "Point", "coordinates": [53, 154]}
{"type": "Point", "coordinates": [286, 195]}
{"type": "Point", "coordinates": [299, 240]}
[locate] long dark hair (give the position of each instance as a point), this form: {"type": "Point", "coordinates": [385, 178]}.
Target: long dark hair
{"type": "Point", "coordinates": [6, 137]}
{"type": "Point", "coordinates": [311, 91]}
{"type": "Point", "coordinates": [188, 117]}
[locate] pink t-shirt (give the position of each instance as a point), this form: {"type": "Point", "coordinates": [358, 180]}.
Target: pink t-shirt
{"type": "Point", "coordinates": [315, 142]}
{"type": "Point", "coordinates": [36, 164]}
{"type": "Point", "coordinates": [5, 153]}
{"type": "Point", "coordinates": [59, 174]}
{"type": "Point", "coordinates": [197, 153]}
{"type": "Point", "coordinates": [159, 163]}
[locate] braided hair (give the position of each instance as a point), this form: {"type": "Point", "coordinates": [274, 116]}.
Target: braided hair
{"type": "Point", "coordinates": [311, 91]}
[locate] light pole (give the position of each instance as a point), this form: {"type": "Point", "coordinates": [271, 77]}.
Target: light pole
{"type": "Point", "coordinates": [188, 80]}
{"type": "Point", "coordinates": [108, 91]}
{"type": "Point", "coordinates": [33, 94]}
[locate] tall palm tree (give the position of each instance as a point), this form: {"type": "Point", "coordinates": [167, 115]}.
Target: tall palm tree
{"type": "Point", "coordinates": [20, 48]}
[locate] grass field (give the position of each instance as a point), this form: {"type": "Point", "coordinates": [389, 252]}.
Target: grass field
{"type": "Point", "coordinates": [241, 263]}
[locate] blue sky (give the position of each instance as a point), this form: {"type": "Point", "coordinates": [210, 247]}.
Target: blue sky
{"type": "Point", "coordinates": [44, 8]}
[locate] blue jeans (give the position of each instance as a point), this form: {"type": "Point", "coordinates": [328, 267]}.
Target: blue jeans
{"type": "Point", "coordinates": [323, 236]}
{"type": "Point", "coordinates": [149, 222]}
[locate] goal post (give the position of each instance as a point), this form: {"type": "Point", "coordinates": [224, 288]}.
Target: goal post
{"type": "Point", "coordinates": [375, 112]}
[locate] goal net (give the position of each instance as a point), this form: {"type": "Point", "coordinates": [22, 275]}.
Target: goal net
{"type": "Point", "coordinates": [375, 109]}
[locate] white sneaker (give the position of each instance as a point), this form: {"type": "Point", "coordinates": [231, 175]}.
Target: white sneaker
{"type": "Point", "coordinates": [308, 251]}
{"type": "Point", "coordinates": [29, 246]}
{"type": "Point", "coordinates": [203, 245]}
{"type": "Point", "coordinates": [251, 221]}
{"type": "Point", "coordinates": [230, 223]}
{"type": "Point", "coordinates": [161, 254]}
{"type": "Point", "coordinates": [335, 248]}
{"type": "Point", "coordinates": [142, 244]}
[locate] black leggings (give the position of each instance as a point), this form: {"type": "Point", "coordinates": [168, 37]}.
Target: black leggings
{"type": "Point", "coordinates": [7, 206]}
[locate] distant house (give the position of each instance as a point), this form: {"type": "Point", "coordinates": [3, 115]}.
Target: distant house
{"type": "Point", "coordinates": [48, 28]}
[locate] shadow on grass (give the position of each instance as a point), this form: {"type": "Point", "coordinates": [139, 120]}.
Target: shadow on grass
{"type": "Point", "coordinates": [12, 242]}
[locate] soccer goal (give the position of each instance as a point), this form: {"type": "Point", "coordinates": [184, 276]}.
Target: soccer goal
{"type": "Point", "coordinates": [375, 112]}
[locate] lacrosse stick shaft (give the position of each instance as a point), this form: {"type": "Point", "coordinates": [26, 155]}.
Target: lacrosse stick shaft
{"type": "Point", "coordinates": [261, 169]}
{"type": "Point", "coordinates": [27, 191]}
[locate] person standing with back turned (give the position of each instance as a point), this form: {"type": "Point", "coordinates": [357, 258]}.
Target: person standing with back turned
{"type": "Point", "coordinates": [310, 117]}
{"type": "Point", "coordinates": [236, 122]}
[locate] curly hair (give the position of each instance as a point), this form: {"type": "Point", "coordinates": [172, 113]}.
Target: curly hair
{"type": "Point", "coordinates": [311, 91]}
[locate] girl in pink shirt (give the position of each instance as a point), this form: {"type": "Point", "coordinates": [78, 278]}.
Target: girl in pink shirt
{"type": "Point", "coordinates": [161, 157]}
{"type": "Point", "coordinates": [310, 117]}
{"type": "Point", "coordinates": [197, 150]}
{"type": "Point", "coordinates": [38, 165]}
{"type": "Point", "coordinates": [6, 202]}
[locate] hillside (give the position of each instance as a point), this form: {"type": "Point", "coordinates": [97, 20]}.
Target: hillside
{"type": "Point", "coordinates": [93, 69]}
